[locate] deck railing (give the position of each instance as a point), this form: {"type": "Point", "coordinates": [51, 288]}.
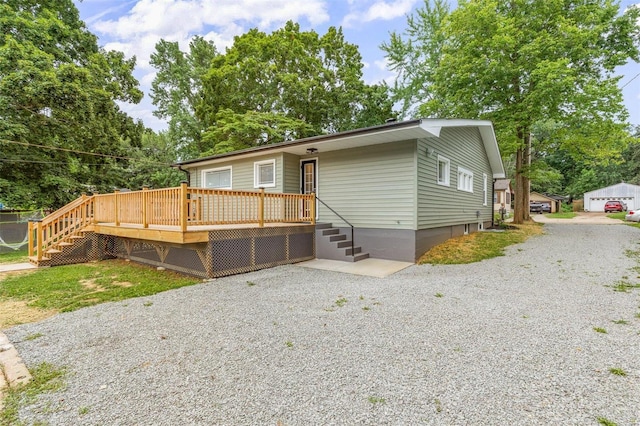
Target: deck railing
{"type": "Point", "coordinates": [181, 206]}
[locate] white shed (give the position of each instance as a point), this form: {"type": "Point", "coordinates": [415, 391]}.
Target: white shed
{"type": "Point", "coordinates": [625, 192]}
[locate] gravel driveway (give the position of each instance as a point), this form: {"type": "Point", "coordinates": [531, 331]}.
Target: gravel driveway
{"type": "Point", "coordinates": [508, 341]}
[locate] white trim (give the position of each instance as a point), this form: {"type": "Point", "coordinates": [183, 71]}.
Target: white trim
{"type": "Point", "coordinates": [447, 177]}
{"type": "Point", "coordinates": [217, 169]}
{"type": "Point", "coordinates": [256, 174]}
{"type": "Point", "coordinates": [465, 179]}
{"type": "Point", "coordinates": [316, 177]}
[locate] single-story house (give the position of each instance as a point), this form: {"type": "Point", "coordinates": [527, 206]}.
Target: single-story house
{"type": "Point", "coordinates": [502, 193]}
{"type": "Point", "coordinates": [627, 193]}
{"type": "Point", "coordinates": [553, 203]}
{"type": "Point", "coordinates": [400, 187]}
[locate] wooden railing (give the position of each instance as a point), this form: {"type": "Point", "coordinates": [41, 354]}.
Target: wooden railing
{"type": "Point", "coordinates": [181, 206]}
{"type": "Point", "coordinates": [59, 226]}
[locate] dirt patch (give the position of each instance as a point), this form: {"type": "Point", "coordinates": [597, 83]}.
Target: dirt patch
{"type": "Point", "coordinates": [90, 284]}
{"type": "Point", "coordinates": [14, 312]}
{"type": "Point", "coordinates": [122, 283]}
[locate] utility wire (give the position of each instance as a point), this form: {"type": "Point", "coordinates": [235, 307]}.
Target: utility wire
{"type": "Point", "coordinates": [78, 152]}
{"type": "Point", "coordinates": [634, 77]}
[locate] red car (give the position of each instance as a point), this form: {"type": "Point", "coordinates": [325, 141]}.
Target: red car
{"type": "Point", "coordinates": [614, 206]}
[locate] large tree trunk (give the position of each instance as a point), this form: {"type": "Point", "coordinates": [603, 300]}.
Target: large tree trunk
{"type": "Point", "coordinates": [523, 162]}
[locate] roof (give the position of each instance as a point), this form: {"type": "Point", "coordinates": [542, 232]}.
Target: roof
{"type": "Point", "coordinates": [538, 196]}
{"type": "Point", "coordinates": [502, 184]}
{"type": "Point", "coordinates": [621, 189]}
{"type": "Point", "coordinates": [385, 133]}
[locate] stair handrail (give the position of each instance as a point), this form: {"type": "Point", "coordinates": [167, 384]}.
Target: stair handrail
{"type": "Point", "coordinates": [41, 225]}
{"type": "Point", "coordinates": [345, 221]}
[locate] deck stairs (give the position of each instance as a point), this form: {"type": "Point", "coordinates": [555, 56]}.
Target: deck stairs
{"type": "Point", "coordinates": [335, 245]}
{"type": "Point", "coordinates": [58, 232]}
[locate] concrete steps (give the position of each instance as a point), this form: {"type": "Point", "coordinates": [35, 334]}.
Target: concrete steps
{"type": "Point", "coordinates": [334, 245]}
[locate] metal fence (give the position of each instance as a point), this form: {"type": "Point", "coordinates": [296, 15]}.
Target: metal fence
{"type": "Point", "coordinates": [14, 234]}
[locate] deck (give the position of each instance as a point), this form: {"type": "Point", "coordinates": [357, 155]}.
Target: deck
{"type": "Point", "coordinates": [219, 230]}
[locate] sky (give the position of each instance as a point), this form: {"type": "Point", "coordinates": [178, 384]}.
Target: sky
{"type": "Point", "coordinates": [135, 26]}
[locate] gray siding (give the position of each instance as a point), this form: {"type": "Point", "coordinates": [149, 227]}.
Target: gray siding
{"type": "Point", "coordinates": [371, 187]}
{"type": "Point", "coordinates": [242, 173]}
{"type": "Point", "coordinates": [441, 205]}
{"type": "Point", "coordinates": [291, 173]}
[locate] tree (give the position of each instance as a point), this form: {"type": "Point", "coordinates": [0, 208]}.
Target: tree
{"type": "Point", "coordinates": [176, 90]}
{"type": "Point", "coordinates": [521, 62]}
{"type": "Point", "coordinates": [267, 88]}
{"type": "Point", "coordinates": [58, 93]}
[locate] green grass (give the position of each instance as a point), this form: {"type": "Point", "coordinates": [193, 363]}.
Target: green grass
{"type": "Point", "coordinates": [606, 422]}
{"type": "Point", "coordinates": [618, 371]}
{"type": "Point", "coordinates": [67, 288]}
{"type": "Point", "coordinates": [479, 245]}
{"type": "Point", "coordinates": [617, 215]}
{"type": "Point", "coordinates": [377, 400]}
{"type": "Point", "coordinates": [16, 256]}
{"type": "Point", "coordinates": [600, 330]}
{"type": "Point", "coordinates": [562, 215]}
{"type": "Point", "coordinates": [45, 378]}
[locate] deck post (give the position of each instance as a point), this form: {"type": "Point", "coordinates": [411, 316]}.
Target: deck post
{"type": "Point", "coordinates": [312, 208]}
{"type": "Point", "coordinates": [39, 240]}
{"type": "Point", "coordinates": [83, 209]}
{"type": "Point", "coordinates": [116, 203]}
{"type": "Point", "coordinates": [145, 221]}
{"type": "Point", "coordinates": [261, 209]}
{"type": "Point", "coordinates": [183, 206]}
{"type": "Point", "coordinates": [30, 231]}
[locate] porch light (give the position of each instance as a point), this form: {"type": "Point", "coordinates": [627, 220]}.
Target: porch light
{"type": "Point", "coordinates": [312, 150]}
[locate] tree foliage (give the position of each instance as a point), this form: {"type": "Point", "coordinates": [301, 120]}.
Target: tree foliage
{"type": "Point", "coordinates": [266, 88]}
{"type": "Point", "coordinates": [522, 62]}
{"type": "Point", "coordinates": [58, 90]}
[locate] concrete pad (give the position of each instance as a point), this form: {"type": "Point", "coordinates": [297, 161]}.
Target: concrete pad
{"type": "Point", "coordinates": [9, 267]}
{"type": "Point", "coordinates": [15, 372]}
{"type": "Point", "coordinates": [368, 267]}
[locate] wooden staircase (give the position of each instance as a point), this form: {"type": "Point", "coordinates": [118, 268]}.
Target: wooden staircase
{"type": "Point", "coordinates": [58, 232]}
{"type": "Point", "coordinates": [336, 245]}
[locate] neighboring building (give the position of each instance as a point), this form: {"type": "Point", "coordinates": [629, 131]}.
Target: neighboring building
{"type": "Point", "coordinates": [404, 186]}
{"type": "Point", "coordinates": [554, 205]}
{"type": "Point", "coordinates": [502, 193]}
{"type": "Point", "coordinates": [625, 192]}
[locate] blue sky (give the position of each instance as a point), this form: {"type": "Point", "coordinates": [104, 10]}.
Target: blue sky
{"type": "Point", "coordinates": [134, 27]}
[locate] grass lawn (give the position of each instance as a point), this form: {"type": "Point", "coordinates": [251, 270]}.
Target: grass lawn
{"type": "Point", "coordinates": [561, 215]}
{"type": "Point", "coordinates": [16, 256]}
{"type": "Point", "coordinates": [71, 287]}
{"type": "Point", "coordinates": [479, 245]}
{"type": "Point", "coordinates": [617, 215]}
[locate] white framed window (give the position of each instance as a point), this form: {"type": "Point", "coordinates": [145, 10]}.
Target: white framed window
{"type": "Point", "coordinates": [219, 178]}
{"type": "Point", "coordinates": [465, 180]}
{"type": "Point", "coordinates": [484, 189]}
{"type": "Point", "coordinates": [264, 174]}
{"type": "Point", "coordinates": [444, 170]}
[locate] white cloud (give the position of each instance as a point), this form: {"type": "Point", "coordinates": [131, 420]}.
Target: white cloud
{"type": "Point", "coordinates": [379, 10]}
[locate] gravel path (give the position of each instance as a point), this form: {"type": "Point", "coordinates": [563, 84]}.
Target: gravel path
{"type": "Point", "coordinates": [511, 341]}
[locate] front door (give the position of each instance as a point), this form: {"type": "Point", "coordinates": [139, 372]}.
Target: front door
{"type": "Point", "coordinates": [308, 181]}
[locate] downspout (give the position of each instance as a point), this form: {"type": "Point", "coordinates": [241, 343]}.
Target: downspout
{"type": "Point", "coordinates": [187, 173]}
{"type": "Point", "coordinates": [493, 213]}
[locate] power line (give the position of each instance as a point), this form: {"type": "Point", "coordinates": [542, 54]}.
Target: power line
{"type": "Point", "coordinates": [634, 77]}
{"type": "Point", "coordinates": [79, 152]}
{"type": "Point", "coordinates": [10, 160]}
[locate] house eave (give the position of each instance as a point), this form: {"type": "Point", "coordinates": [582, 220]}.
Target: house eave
{"type": "Point", "coordinates": [386, 133]}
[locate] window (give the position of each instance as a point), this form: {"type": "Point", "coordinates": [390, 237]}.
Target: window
{"type": "Point", "coordinates": [465, 180]}
{"type": "Point", "coordinates": [443, 170]}
{"type": "Point", "coordinates": [264, 174]}
{"type": "Point", "coordinates": [217, 178]}
{"type": "Point", "coordinates": [484, 189]}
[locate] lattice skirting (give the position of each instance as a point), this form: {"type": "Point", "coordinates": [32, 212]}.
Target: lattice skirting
{"type": "Point", "coordinates": [228, 252]}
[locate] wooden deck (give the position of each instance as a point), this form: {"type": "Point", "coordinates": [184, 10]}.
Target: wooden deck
{"type": "Point", "coordinates": [174, 234]}
{"type": "Point", "coordinates": [179, 215]}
